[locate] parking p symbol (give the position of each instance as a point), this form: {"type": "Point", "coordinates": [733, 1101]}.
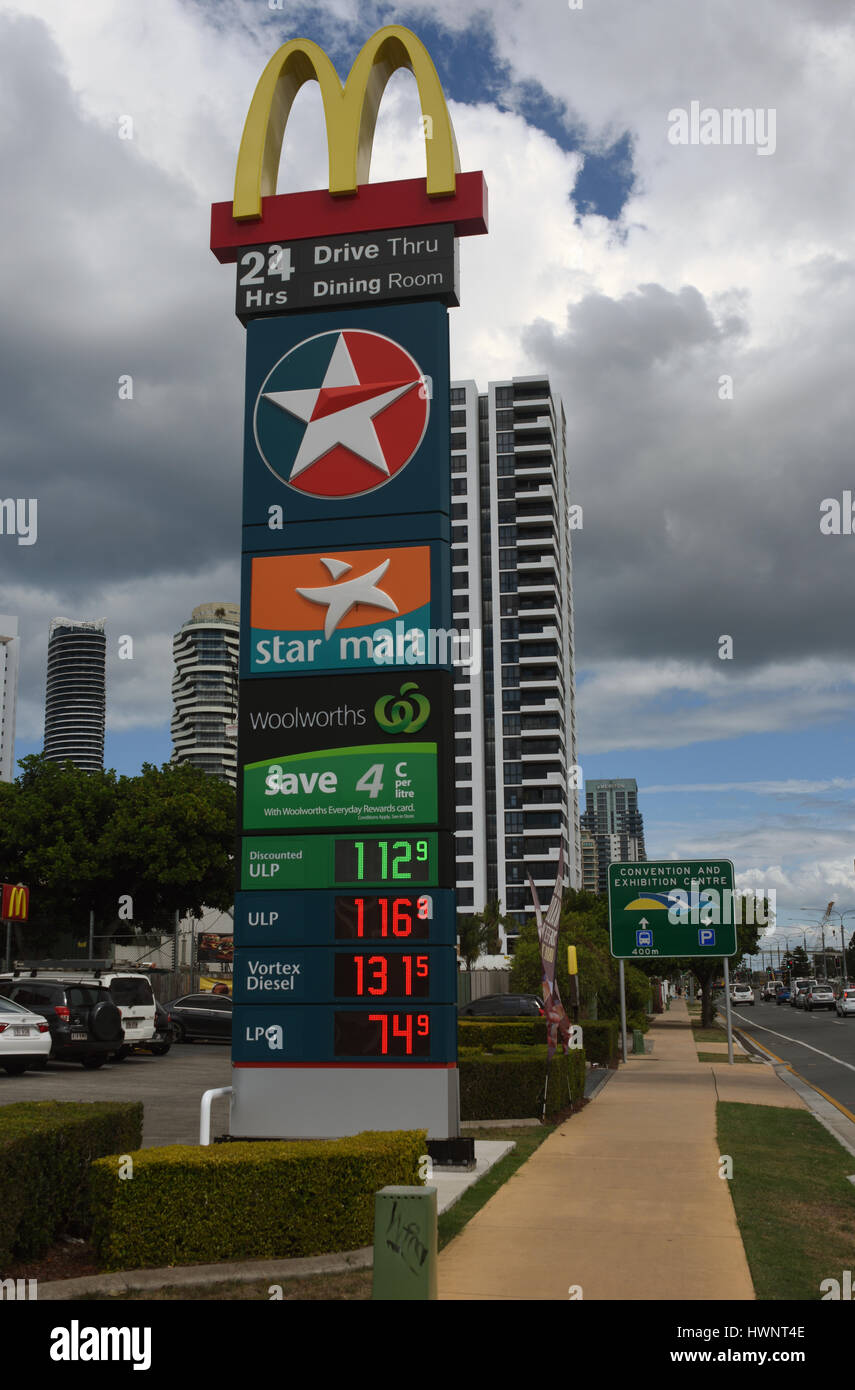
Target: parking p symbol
{"type": "Point", "coordinates": [706, 936]}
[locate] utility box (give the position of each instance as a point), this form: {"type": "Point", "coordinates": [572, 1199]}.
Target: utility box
{"type": "Point", "coordinates": [637, 1041]}
{"type": "Point", "coordinates": [405, 1244]}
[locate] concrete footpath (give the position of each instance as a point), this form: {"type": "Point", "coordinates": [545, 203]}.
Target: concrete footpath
{"type": "Point", "coordinates": [623, 1201]}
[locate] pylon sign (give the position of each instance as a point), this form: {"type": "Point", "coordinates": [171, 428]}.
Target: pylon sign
{"type": "Point", "coordinates": [345, 966]}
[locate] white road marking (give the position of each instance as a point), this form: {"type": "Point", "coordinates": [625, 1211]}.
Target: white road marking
{"type": "Point", "coordinates": [750, 1024]}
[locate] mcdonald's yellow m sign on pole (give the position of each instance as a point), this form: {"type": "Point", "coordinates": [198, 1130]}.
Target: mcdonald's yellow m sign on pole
{"type": "Point", "coordinates": [15, 903]}
{"type": "Point", "coordinates": [256, 213]}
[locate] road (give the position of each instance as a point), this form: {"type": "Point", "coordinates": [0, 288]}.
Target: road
{"type": "Point", "coordinates": [169, 1087]}
{"type": "Point", "coordinates": [819, 1045]}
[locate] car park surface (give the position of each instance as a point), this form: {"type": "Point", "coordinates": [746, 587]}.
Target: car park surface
{"type": "Point", "coordinates": [170, 1088]}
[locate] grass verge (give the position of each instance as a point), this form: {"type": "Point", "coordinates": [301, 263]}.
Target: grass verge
{"type": "Point", "coordinates": [794, 1206]}
{"type": "Point", "coordinates": [709, 1034]}
{"type": "Point", "coordinates": [722, 1057]}
{"type": "Point", "coordinates": [341, 1287]}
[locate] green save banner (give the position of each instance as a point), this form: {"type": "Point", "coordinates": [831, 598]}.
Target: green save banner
{"type": "Point", "coordinates": [375, 784]}
{"type": "Point", "coordinates": [679, 908]}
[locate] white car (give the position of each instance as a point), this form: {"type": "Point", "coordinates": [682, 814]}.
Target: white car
{"type": "Point", "coordinates": [24, 1038]}
{"type": "Point", "coordinates": [741, 994]}
{"type": "Point", "coordinates": [845, 1002]}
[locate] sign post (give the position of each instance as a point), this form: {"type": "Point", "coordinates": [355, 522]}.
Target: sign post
{"type": "Point", "coordinates": [345, 967]}
{"type": "Point", "coordinates": [673, 909]}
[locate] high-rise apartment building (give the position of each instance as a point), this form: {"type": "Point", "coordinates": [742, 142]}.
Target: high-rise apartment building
{"type": "Point", "coordinates": [612, 817]}
{"type": "Point", "coordinates": [205, 689]}
{"type": "Point", "coordinates": [514, 706]}
{"type": "Point", "coordinates": [76, 697]}
{"type": "Point", "coordinates": [9, 645]}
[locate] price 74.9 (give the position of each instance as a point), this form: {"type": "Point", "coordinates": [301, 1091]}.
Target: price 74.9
{"type": "Point", "coordinates": [401, 1032]}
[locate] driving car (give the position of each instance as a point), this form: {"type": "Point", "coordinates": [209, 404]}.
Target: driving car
{"type": "Point", "coordinates": [783, 995]}
{"type": "Point", "coordinates": [819, 996]}
{"type": "Point", "coordinates": [24, 1039]}
{"type": "Point", "coordinates": [770, 989]}
{"type": "Point", "coordinates": [741, 994]}
{"type": "Point", "coordinates": [800, 981]}
{"type": "Point", "coordinates": [200, 1016]}
{"type": "Point", "coordinates": [845, 1002]}
{"type": "Point", "coordinates": [85, 1025]}
{"type": "Point", "coordinates": [799, 994]}
{"type": "Point", "coordinates": [503, 1005]}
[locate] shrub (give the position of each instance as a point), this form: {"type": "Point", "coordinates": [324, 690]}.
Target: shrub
{"type": "Point", "coordinates": [46, 1149]}
{"type": "Point", "coordinates": [601, 1038]}
{"type": "Point", "coordinates": [248, 1200]}
{"type": "Point", "coordinates": [508, 1084]}
{"type": "Point", "coordinates": [488, 1033]}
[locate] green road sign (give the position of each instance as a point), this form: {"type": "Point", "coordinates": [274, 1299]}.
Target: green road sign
{"type": "Point", "coordinates": [683, 907]}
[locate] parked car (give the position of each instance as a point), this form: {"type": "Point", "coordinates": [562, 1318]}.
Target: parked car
{"type": "Point", "coordinates": [503, 1005]}
{"type": "Point", "coordinates": [24, 1039]}
{"type": "Point", "coordinates": [741, 994]}
{"type": "Point", "coordinates": [130, 991]}
{"type": "Point", "coordinates": [134, 998]}
{"type": "Point", "coordinates": [819, 996]}
{"type": "Point", "coordinates": [783, 995]}
{"type": "Point", "coordinates": [160, 1044]}
{"type": "Point", "coordinates": [85, 1025]}
{"type": "Point", "coordinates": [200, 1016]}
{"type": "Point", "coordinates": [845, 1002]}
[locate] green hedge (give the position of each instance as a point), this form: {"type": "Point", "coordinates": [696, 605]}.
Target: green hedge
{"type": "Point", "coordinates": [489, 1033]}
{"type": "Point", "coordinates": [601, 1037]}
{"type": "Point", "coordinates": [508, 1084]}
{"type": "Point", "coordinates": [252, 1200]}
{"type": "Point", "coordinates": [46, 1149]}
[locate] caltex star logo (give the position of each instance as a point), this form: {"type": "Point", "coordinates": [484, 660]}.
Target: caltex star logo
{"type": "Point", "coordinates": [341, 413]}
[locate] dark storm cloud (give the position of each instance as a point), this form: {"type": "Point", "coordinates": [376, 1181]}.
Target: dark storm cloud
{"type": "Point", "coordinates": [107, 274]}
{"type": "Point", "coordinates": [701, 515]}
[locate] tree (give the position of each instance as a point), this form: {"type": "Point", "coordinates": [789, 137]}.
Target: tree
{"type": "Point", "coordinates": [85, 840]}
{"type": "Point", "coordinates": [707, 970]}
{"type": "Point", "coordinates": [471, 938]}
{"type": "Point", "coordinates": [583, 924]}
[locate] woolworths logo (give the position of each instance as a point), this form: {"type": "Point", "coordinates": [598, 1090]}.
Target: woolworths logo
{"type": "Point", "coordinates": [406, 715]}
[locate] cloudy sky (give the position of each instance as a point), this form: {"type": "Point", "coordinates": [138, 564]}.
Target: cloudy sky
{"type": "Point", "coordinates": [692, 304]}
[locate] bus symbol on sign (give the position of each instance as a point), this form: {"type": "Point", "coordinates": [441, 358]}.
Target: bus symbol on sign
{"type": "Point", "coordinates": [644, 938]}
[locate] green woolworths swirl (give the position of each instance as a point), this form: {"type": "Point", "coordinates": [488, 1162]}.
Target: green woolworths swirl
{"type": "Point", "coordinates": [405, 716]}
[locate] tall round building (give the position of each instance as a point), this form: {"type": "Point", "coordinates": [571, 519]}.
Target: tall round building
{"type": "Point", "coordinates": [204, 690]}
{"type": "Point", "coordinates": [76, 698]}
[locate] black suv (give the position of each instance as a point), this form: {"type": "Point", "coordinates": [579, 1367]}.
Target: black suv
{"type": "Point", "coordinates": [85, 1024]}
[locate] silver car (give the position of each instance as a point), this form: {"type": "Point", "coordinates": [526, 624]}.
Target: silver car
{"type": "Point", "coordinates": [820, 996]}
